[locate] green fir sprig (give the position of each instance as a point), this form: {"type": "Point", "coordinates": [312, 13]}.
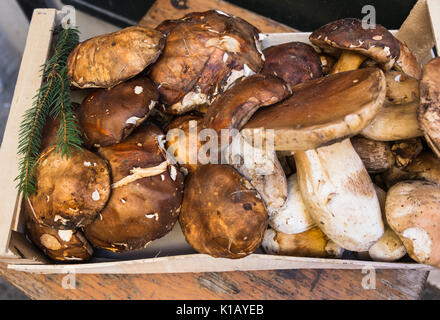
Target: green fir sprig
{"type": "Point", "coordinates": [52, 100]}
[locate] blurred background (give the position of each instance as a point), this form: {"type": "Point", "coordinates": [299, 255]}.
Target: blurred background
{"type": "Point", "coordinates": [103, 16]}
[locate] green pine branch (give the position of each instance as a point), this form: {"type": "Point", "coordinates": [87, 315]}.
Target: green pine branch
{"type": "Point", "coordinates": [53, 99]}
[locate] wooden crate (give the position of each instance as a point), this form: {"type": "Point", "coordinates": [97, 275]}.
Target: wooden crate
{"type": "Point", "coordinates": [420, 31]}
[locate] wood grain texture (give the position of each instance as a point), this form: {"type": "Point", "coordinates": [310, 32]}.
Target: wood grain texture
{"type": "Point", "coordinates": [280, 284]}
{"type": "Point", "coordinates": [173, 9]}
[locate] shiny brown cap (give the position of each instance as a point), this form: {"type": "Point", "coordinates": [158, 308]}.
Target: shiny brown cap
{"type": "Point", "coordinates": [146, 193]}
{"type": "Point", "coordinates": [294, 62]}
{"type": "Point", "coordinates": [348, 34]}
{"type": "Point", "coordinates": [324, 110]}
{"type": "Point", "coordinates": [108, 116]}
{"type": "Point", "coordinates": [222, 214]}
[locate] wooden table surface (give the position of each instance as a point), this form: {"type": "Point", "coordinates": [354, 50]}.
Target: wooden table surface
{"type": "Point", "coordinates": [277, 284]}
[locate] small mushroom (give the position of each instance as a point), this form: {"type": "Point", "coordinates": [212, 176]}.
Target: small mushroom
{"type": "Point", "coordinates": [429, 109]}
{"type": "Point", "coordinates": [376, 155]}
{"type": "Point", "coordinates": [413, 212]}
{"type": "Point", "coordinates": [107, 60]}
{"type": "Point", "coordinates": [356, 44]}
{"type": "Point", "coordinates": [108, 116]}
{"type": "Point", "coordinates": [294, 62]}
{"type": "Point", "coordinates": [292, 217]}
{"type": "Point", "coordinates": [205, 53]}
{"type": "Point", "coordinates": [146, 193]}
{"type": "Point", "coordinates": [311, 243]}
{"type": "Point", "coordinates": [229, 220]}
{"type": "Point", "coordinates": [61, 245]}
{"type": "Point", "coordinates": [70, 191]}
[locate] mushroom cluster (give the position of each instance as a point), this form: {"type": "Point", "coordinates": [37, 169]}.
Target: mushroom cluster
{"type": "Point", "coordinates": [304, 149]}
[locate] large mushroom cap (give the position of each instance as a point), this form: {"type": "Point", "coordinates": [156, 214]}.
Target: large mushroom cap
{"type": "Point", "coordinates": [429, 109]}
{"type": "Point", "coordinates": [146, 194]}
{"type": "Point", "coordinates": [109, 116]}
{"type": "Point", "coordinates": [348, 34]}
{"type": "Point", "coordinates": [205, 52]}
{"type": "Point", "coordinates": [324, 110]}
{"type": "Point", "coordinates": [70, 191]}
{"type": "Point", "coordinates": [294, 62]}
{"type": "Point", "coordinates": [222, 214]}
{"type": "Point", "coordinates": [107, 60]}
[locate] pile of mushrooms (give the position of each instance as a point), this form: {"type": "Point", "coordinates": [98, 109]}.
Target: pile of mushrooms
{"type": "Point", "coordinates": [350, 138]}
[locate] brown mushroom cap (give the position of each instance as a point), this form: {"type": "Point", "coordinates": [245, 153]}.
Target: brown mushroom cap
{"type": "Point", "coordinates": [70, 191]}
{"type": "Point", "coordinates": [235, 106]}
{"type": "Point", "coordinates": [61, 245]}
{"type": "Point", "coordinates": [109, 116]}
{"type": "Point", "coordinates": [348, 34]}
{"type": "Point", "coordinates": [429, 109]}
{"type": "Point", "coordinates": [324, 110]}
{"type": "Point", "coordinates": [294, 62]}
{"type": "Point", "coordinates": [229, 220]}
{"type": "Point", "coordinates": [146, 193]}
{"type": "Point", "coordinates": [107, 60]}
{"type": "Point", "coordinates": [205, 52]}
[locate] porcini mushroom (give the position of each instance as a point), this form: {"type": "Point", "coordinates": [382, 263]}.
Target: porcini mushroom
{"type": "Point", "coordinates": [229, 221]}
{"type": "Point", "coordinates": [107, 60]}
{"type": "Point", "coordinates": [109, 116]}
{"type": "Point", "coordinates": [429, 109]}
{"type": "Point", "coordinates": [310, 243]}
{"type": "Point", "coordinates": [205, 53]}
{"type": "Point", "coordinates": [357, 43]}
{"type": "Point", "coordinates": [70, 191]}
{"type": "Point", "coordinates": [321, 112]}
{"type": "Point", "coordinates": [413, 212]}
{"type": "Point", "coordinates": [61, 245]}
{"type": "Point", "coordinates": [294, 62]}
{"type": "Point", "coordinates": [146, 193]}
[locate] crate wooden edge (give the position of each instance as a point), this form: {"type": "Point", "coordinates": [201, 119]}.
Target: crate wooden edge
{"type": "Point", "coordinates": [29, 78]}
{"type": "Point", "coordinates": [28, 82]}
{"type": "Point", "coordinates": [204, 263]}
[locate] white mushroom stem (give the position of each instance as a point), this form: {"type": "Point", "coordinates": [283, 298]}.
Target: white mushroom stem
{"type": "Point", "coordinates": [139, 173]}
{"type": "Point", "coordinates": [339, 195]}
